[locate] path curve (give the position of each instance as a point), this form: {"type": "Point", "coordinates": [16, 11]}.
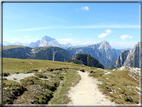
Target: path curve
{"type": "Point", "coordinates": [86, 92]}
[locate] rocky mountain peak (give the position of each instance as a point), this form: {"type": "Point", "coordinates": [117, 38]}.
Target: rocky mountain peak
{"type": "Point", "coordinates": [133, 58]}
{"type": "Point", "coordinates": [104, 41]}
{"type": "Point", "coordinates": [121, 59]}
{"type": "Point", "coordinates": [47, 38]}
{"type": "Point", "coordinates": [104, 45]}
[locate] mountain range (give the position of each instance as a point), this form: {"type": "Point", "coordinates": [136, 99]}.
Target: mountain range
{"type": "Point", "coordinates": [45, 41]}
{"type": "Point", "coordinates": [101, 51]}
{"type": "Point", "coordinates": [47, 47]}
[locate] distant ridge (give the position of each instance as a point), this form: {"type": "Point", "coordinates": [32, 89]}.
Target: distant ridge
{"type": "Point", "coordinates": [44, 53]}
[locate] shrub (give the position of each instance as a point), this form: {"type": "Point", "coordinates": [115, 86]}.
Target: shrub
{"type": "Point", "coordinates": [82, 70]}
{"type": "Point", "coordinates": [4, 78]}
{"type": "Point", "coordinates": [41, 75]}
{"type": "Point", "coordinates": [5, 74]}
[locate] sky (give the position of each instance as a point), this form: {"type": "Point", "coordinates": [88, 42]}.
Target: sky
{"type": "Point", "coordinates": [75, 23]}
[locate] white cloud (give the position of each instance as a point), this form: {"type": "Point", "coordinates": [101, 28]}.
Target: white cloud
{"type": "Point", "coordinates": [76, 42]}
{"type": "Point", "coordinates": [105, 34]}
{"type": "Point", "coordinates": [82, 8]}
{"type": "Point", "coordinates": [123, 37]}
{"type": "Point", "coordinates": [108, 31]}
{"type": "Point", "coordinates": [85, 8]}
{"type": "Point", "coordinates": [70, 34]}
{"type": "Point", "coordinates": [26, 36]}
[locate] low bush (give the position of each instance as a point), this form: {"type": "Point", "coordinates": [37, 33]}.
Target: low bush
{"type": "Point", "coordinates": [6, 74]}
{"type": "Point", "coordinates": [82, 70]}
{"type": "Point", "coordinates": [41, 75]}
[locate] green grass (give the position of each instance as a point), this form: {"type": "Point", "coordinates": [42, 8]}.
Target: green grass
{"type": "Point", "coordinates": [60, 95]}
{"type": "Point", "coordinates": [39, 89]}
{"type": "Point", "coordinates": [13, 65]}
{"type": "Point", "coordinates": [50, 86]}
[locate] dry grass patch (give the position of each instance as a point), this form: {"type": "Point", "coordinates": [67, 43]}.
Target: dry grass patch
{"type": "Point", "coordinates": [115, 84]}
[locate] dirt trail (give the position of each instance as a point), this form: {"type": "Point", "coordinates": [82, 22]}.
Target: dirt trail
{"type": "Point", "coordinates": [87, 92]}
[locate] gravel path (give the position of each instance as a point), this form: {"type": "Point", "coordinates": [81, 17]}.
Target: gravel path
{"type": "Point", "coordinates": [87, 92]}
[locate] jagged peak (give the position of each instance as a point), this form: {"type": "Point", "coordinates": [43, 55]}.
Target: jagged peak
{"type": "Point", "coordinates": [47, 38]}
{"type": "Point", "coordinates": [104, 42]}
{"type": "Point", "coordinates": [105, 45]}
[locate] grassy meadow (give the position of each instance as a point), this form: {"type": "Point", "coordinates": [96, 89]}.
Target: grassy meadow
{"type": "Point", "coordinates": [51, 84]}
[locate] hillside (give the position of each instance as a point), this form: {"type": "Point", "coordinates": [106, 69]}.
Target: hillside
{"type": "Point", "coordinates": [45, 53]}
{"type": "Point", "coordinates": [16, 51]}
{"type": "Point", "coordinates": [48, 82]}
{"type": "Point", "coordinates": [49, 53]}
{"type": "Point", "coordinates": [85, 59]}
{"type": "Point", "coordinates": [132, 72]}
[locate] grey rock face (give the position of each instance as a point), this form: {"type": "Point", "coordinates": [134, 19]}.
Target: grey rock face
{"type": "Point", "coordinates": [133, 58]}
{"type": "Point", "coordinates": [121, 59]}
{"type": "Point", "coordinates": [129, 58]}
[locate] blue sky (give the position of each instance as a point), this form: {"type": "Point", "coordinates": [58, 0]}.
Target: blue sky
{"type": "Point", "coordinates": [75, 23]}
